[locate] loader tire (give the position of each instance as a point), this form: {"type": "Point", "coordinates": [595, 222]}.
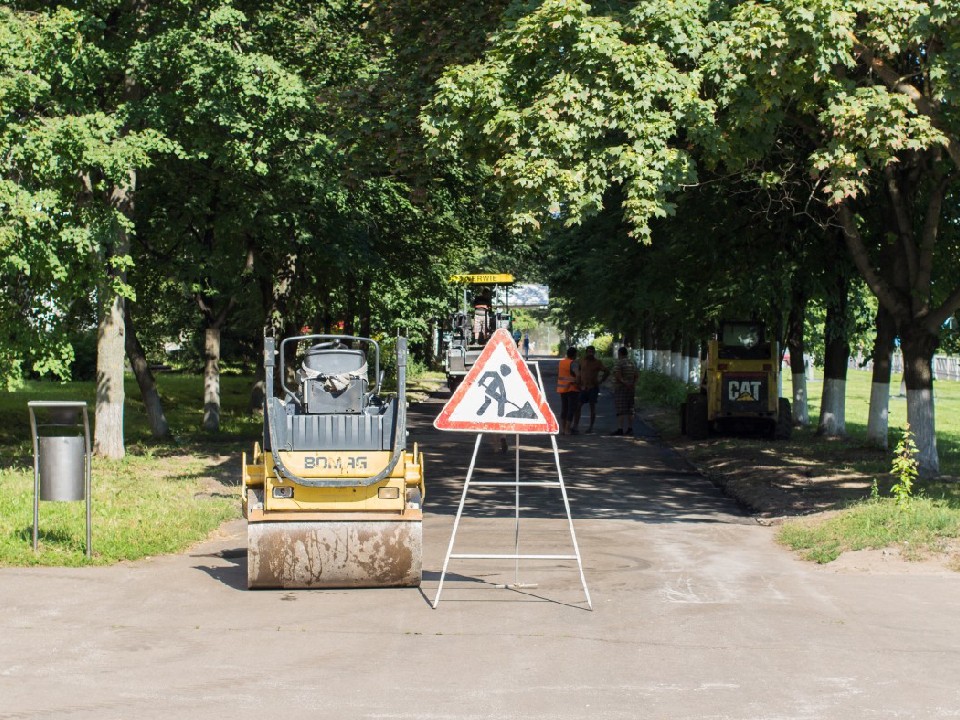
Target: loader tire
{"type": "Point", "coordinates": [695, 420]}
{"type": "Point", "coordinates": [784, 421]}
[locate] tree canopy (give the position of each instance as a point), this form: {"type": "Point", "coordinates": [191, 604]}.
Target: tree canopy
{"type": "Point", "coordinates": [249, 164]}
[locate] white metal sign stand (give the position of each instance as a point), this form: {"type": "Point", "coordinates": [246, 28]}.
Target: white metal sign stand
{"type": "Point", "coordinates": [517, 556]}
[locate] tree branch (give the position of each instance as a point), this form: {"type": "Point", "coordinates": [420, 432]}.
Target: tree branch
{"type": "Point", "coordinates": [928, 237]}
{"type": "Point", "coordinates": [904, 224]}
{"type": "Point", "coordinates": [895, 83]}
{"type": "Point", "coordinates": [935, 319]}
{"type": "Point", "coordinates": [858, 251]}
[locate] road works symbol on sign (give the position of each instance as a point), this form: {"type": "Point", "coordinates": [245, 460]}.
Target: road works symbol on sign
{"type": "Point", "coordinates": [499, 394]}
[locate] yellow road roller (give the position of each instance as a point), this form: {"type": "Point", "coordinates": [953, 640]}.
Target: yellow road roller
{"type": "Point", "coordinates": [332, 496]}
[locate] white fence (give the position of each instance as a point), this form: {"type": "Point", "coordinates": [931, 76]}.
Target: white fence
{"type": "Point", "coordinates": [945, 367]}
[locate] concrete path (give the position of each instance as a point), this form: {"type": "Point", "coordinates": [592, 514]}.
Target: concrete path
{"type": "Point", "coordinates": [697, 614]}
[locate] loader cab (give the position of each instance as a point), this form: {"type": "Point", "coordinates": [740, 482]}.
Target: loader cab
{"type": "Point", "coordinates": [742, 340]}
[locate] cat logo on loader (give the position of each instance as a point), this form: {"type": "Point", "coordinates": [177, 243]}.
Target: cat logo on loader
{"type": "Point", "coordinates": [332, 497]}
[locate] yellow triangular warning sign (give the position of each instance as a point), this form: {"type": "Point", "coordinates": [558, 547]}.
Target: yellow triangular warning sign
{"type": "Point", "coordinates": [499, 394]}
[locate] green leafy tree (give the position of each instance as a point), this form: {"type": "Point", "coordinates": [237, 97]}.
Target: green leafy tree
{"type": "Point", "coordinates": [568, 102]}
{"type": "Point", "coordinates": [872, 88]}
{"type": "Point", "coordinates": [73, 144]}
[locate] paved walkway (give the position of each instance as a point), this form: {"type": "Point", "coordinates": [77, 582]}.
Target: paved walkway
{"type": "Point", "coordinates": [697, 614]}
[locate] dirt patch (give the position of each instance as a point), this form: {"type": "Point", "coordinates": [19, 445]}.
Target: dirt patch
{"type": "Point", "coordinates": [773, 485]}
{"type": "Point", "coordinates": [779, 481]}
{"type": "Point", "coordinates": [773, 480]}
{"type": "Point", "coordinates": [894, 560]}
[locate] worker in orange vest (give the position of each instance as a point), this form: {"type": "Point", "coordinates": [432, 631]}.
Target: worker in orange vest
{"type": "Point", "coordinates": [569, 391]}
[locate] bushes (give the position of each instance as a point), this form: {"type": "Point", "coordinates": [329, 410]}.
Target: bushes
{"type": "Point", "coordinates": [658, 389]}
{"type": "Point", "coordinates": [603, 345]}
{"type": "Point", "coordinates": [84, 365]}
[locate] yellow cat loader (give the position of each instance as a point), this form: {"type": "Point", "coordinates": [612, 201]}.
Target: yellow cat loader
{"type": "Point", "coordinates": [739, 387]}
{"type": "Point", "coordinates": [332, 497]}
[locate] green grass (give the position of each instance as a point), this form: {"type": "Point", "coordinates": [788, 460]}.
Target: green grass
{"type": "Point", "coordinates": [918, 527]}
{"type": "Point", "coordinates": [161, 498]}
{"type": "Point", "coordinates": [657, 390]}
{"type": "Point", "coordinates": [946, 411]}
{"type": "Point", "coordinates": [141, 506]}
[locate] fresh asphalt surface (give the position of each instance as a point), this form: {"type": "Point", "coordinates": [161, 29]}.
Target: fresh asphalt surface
{"type": "Point", "coordinates": [697, 613]}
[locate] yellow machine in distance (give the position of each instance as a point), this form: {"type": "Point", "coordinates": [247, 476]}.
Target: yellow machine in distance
{"type": "Point", "coordinates": [332, 497]}
{"type": "Point", "coordinates": [739, 386]}
{"type": "Point", "coordinates": [484, 310]}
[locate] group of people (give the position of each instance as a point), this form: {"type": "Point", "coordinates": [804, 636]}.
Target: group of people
{"type": "Point", "coordinates": [523, 344]}
{"type": "Point", "coordinates": [579, 381]}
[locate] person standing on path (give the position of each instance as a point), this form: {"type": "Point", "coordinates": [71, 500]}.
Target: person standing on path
{"type": "Point", "coordinates": [526, 345]}
{"type": "Point", "coordinates": [592, 375]}
{"type": "Point", "coordinates": [624, 385]}
{"type": "Point", "coordinates": [569, 390]}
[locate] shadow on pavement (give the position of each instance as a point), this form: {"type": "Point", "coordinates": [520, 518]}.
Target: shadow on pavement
{"type": "Point", "coordinates": [607, 477]}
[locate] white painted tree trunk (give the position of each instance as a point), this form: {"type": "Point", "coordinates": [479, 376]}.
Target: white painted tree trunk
{"type": "Point", "coordinates": [833, 408]}
{"type": "Point", "coordinates": [111, 351]}
{"type": "Point", "coordinates": [878, 421]}
{"type": "Point", "coordinates": [921, 418]}
{"type": "Point", "coordinates": [799, 408]}
{"type": "Point", "coordinates": [211, 380]}
{"type": "Point", "coordinates": [676, 371]}
{"type": "Point", "coordinates": [648, 358]}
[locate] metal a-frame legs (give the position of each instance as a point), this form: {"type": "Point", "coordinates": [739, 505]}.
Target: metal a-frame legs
{"type": "Point", "coordinates": [516, 555]}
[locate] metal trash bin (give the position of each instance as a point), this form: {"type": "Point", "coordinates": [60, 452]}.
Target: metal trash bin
{"type": "Point", "coordinates": [61, 461]}
{"type": "Point", "coordinates": [62, 468]}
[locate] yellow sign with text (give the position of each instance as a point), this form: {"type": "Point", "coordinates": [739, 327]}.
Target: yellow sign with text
{"type": "Point", "coordinates": [483, 279]}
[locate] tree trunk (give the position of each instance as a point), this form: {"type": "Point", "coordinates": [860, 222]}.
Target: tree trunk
{"type": "Point", "coordinates": [108, 427]}
{"type": "Point", "coordinates": [663, 353]}
{"type": "Point", "coordinates": [211, 379]}
{"type": "Point", "coordinates": [837, 353]}
{"type": "Point", "coordinates": [159, 427]}
{"type": "Point", "coordinates": [648, 346]}
{"type": "Point", "coordinates": [918, 348]}
{"type": "Point", "coordinates": [904, 287]}
{"type": "Point", "coordinates": [676, 344]}
{"type": "Point", "coordinates": [878, 419]}
{"type": "Point", "coordinates": [693, 362]}
{"type": "Point", "coordinates": [366, 328]}
{"type": "Point", "coordinates": [799, 407]}
{"type": "Point", "coordinates": [278, 309]}
{"type": "Point", "coordinates": [684, 372]}
{"type": "Point", "coordinates": [258, 394]}
{"type": "Point", "coordinates": [348, 305]}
